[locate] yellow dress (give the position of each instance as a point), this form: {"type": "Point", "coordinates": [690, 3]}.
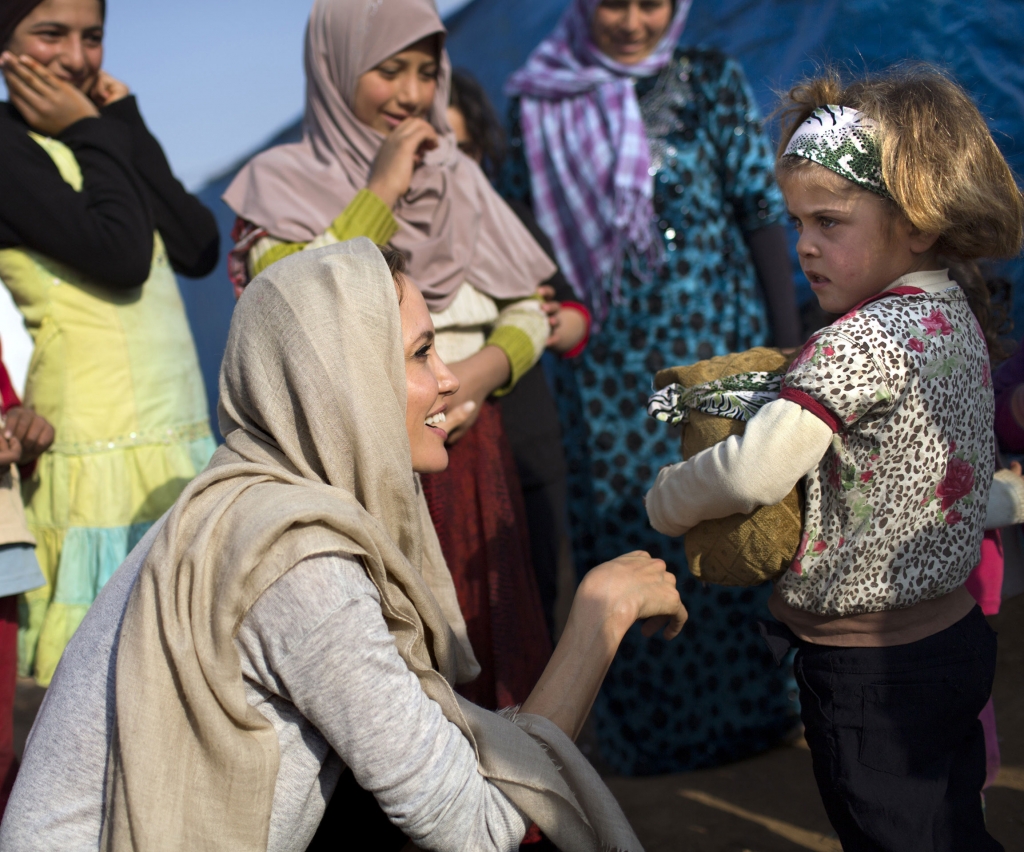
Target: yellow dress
{"type": "Point", "coordinates": [117, 375]}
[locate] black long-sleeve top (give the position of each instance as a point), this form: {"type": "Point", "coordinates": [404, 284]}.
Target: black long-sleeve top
{"type": "Point", "coordinates": [106, 230]}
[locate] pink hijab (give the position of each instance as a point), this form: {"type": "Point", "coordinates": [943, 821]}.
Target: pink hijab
{"type": "Point", "coordinates": [453, 226]}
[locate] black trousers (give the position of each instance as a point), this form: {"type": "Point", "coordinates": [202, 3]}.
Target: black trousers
{"type": "Point", "coordinates": [898, 751]}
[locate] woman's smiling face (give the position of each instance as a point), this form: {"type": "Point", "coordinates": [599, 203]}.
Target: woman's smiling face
{"type": "Point", "coordinates": [628, 31]}
{"type": "Point", "coordinates": [428, 381]}
{"type": "Point", "coordinates": [66, 36]}
{"type": "Point", "coordinates": [401, 87]}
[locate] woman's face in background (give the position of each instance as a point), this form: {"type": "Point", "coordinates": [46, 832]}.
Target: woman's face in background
{"type": "Point", "coordinates": [629, 30]}
{"type": "Point", "coordinates": [428, 384]}
{"type": "Point", "coordinates": [67, 37]}
{"type": "Point", "coordinates": [401, 87]}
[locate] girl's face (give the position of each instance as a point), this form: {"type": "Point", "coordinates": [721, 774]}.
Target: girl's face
{"type": "Point", "coordinates": [629, 30]}
{"type": "Point", "coordinates": [851, 247]}
{"type": "Point", "coordinates": [428, 383]}
{"type": "Point", "coordinates": [67, 37]}
{"type": "Point", "coordinates": [466, 143]}
{"type": "Point", "coordinates": [401, 87]}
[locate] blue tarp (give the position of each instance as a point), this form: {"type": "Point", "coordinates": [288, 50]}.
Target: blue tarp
{"type": "Point", "coordinates": [778, 42]}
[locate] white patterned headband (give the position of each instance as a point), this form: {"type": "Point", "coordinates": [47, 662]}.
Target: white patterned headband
{"type": "Point", "coordinates": [845, 141]}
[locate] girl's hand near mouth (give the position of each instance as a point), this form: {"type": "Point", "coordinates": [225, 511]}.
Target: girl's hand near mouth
{"type": "Point", "coordinates": [108, 90]}
{"type": "Point", "coordinates": [403, 150]}
{"type": "Point", "coordinates": [48, 104]}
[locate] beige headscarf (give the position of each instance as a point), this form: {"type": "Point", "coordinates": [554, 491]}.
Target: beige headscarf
{"type": "Point", "coordinates": [453, 226]}
{"type": "Point", "coordinates": [316, 461]}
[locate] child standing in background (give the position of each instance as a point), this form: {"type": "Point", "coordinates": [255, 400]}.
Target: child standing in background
{"type": "Point", "coordinates": [887, 415]}
{"type": "Point", "coordinates": [23, 436]}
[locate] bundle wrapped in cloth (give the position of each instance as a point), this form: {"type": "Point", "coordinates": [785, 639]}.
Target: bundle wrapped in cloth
{"type": "Point", "coordinates": [712, 400]}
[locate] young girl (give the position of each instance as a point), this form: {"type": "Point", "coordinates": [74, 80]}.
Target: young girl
{"type": "Point", "coordinates": [887, 415]}
{"type": "Point", "coordinates": [93, 226]}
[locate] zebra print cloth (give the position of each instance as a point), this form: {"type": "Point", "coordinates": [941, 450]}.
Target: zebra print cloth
{"type": "Point", "coordinates": [737, 397]}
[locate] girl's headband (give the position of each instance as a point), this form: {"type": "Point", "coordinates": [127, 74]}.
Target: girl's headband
{"type": "Point", "coordinates": [845, 141]}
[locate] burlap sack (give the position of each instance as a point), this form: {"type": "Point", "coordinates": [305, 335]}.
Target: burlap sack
{"type": "Point", "coordinates": [740, 550]}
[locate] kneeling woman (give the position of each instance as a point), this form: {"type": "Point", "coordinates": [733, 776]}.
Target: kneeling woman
{"type": "Point", "coordinates": [292, 616]}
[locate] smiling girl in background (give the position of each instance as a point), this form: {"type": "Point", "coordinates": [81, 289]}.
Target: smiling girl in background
{"type": "Point", "coordinates": [378, 159]}
{"type": "Point", "coordinates": [93, 226]}
{"type": "Point", "coordinates": [887, 415]}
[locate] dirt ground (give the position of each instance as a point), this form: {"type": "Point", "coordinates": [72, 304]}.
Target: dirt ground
{"type": "Point", "coordinates": [770, 803]}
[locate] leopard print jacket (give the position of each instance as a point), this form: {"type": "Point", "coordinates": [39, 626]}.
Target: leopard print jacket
{"type": "Point", "coordinates": [895, 510]}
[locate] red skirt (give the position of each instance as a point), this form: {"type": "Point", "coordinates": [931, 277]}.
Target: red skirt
{"type": "Point", "coordinates": [477, 509]}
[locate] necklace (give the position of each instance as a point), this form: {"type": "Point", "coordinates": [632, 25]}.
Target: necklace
{"type": "Point", "coordinates": [660, 108]}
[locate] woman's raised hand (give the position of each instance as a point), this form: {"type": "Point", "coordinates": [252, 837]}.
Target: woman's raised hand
{"type": "Point", "coordinates": [108, 90]}
{"type": "Point", "coordinates": [609, 600]}
{"type": "Point", "coordinates": [632, 587]}
{"type": "Point", "coordinates": [48, 104]}
{"type": "Point", "coordinates": [402, 151]}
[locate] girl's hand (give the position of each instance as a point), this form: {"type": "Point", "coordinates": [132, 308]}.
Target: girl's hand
{"type": "Point", "coordinates": [631, 587]}
{"type": "Point", "coordinates": [460, 419]}
{"type": "Point", "coordinates": [10, 452]}
{"type": "Point", "coordinates": [568, 327]}
{"type": "Point", "coordinates": [548, 302]}
{"type": "Point", "coordinates": [479, 376]}
{"type": "Point", "coordinates": [108, 90]}
{"type": "Point", "coordinates": [402, 151]}
{"type": "Point", "coordinates": [33, 434]}
{"type": "Point", "coordinates": [49, 105]}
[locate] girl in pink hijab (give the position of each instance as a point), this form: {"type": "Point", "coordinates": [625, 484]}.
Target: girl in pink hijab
{"type": "Point", "coordinates": [377, 158]}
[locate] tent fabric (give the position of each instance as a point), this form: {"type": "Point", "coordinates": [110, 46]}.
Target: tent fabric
{"type": "Point", "coordinates": [777, 41]}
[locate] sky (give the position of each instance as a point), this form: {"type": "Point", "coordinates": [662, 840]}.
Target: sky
{"type": "Point", "coordinates": [214, 79]}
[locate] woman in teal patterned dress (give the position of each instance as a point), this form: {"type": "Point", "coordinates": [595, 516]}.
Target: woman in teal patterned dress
{"type": "Point", "coordinates": [715, 278]}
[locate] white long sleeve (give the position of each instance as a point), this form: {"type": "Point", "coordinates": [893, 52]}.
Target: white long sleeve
{"type": "Point", "coordinates": [1005, 500]}
{"type": "Point", "coordinates": [782, 442]}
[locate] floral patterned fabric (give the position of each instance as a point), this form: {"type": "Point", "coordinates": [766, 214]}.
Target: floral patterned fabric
{"type": "Point", "coordinates": [895, 511]}
{"type": "Point", "coordinates": [714, 694]}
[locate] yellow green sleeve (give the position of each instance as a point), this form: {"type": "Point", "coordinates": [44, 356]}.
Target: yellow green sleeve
{"type": "Point", "coordinates": [518, 348]}
{"type": "Point", "coordinates": [365, 216]}
{"type": "Point", "coordinates": [260, 260]}
{"type": "Point", "coordinates": [521, 332]}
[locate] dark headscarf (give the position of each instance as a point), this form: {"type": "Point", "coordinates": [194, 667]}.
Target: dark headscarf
{"type": "Point", "coordinates": [13, 12]}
